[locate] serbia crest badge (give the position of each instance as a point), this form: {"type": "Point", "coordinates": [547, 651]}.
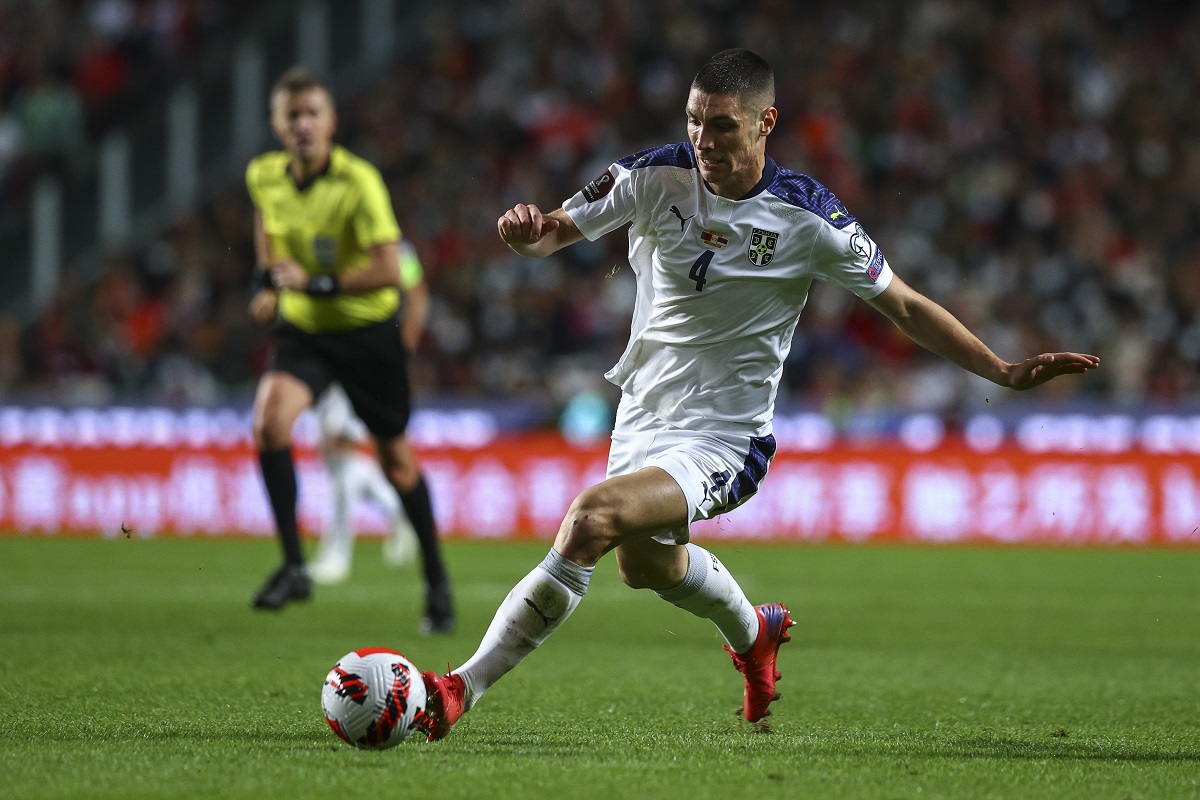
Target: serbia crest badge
{"type": "Point", "coordinates": [762, 247]}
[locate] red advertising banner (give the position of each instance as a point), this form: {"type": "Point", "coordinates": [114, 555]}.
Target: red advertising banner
{"type": "Point", "coordinates": [520, 486]}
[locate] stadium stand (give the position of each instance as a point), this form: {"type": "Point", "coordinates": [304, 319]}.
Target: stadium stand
{"type": "Point", "coordinates": [1034, 166]}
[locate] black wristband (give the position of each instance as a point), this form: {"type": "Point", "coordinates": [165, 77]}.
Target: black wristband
{"type": "Point", "coordinates": [322, 285]}
{"type": "Point", "coordinates": [265, 279]}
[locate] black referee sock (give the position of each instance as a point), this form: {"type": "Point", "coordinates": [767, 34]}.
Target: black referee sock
{"type": "Point", "coordinates": [420, 513]}
{"type": "Point", "coordinates": [279, 475]}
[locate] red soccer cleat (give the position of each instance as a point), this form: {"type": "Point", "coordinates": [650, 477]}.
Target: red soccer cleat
{"type": "Point", "coordinates": [445, 701]}
{"type": "Point", "coordinates": [757, 664]}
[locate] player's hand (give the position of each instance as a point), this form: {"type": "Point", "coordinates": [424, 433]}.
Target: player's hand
{"type": "Point", "coordinates": [1037, 370]}
{"type": "Point", "coordinates": [523, 226]}
{"type": "Point", "coordinates": [263, 306]}
{"type": "Point", "coordinates": [290, 275]}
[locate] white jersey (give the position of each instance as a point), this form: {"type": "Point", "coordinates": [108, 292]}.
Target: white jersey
{"type": "Point", "coordinates": [720, 283]}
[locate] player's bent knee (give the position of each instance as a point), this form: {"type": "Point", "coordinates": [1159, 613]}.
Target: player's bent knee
{"type": "Point", "coordinates": [271, 435]}
{"type": "Point", "coordinates": [280, 399]}
{"type": "Point", "coordinates": [591, 525]}
{"type": "Point", "coordinates": [403, 477]}
{"type": "Point", "coordinates": [272, 425]}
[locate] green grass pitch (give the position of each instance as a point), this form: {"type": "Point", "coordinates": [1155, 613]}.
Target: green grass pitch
{"type": "Point", "coordinates": [135, 668]}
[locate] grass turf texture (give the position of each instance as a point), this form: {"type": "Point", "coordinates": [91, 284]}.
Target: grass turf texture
{"type": "Point", "coordinates": [136, 669]}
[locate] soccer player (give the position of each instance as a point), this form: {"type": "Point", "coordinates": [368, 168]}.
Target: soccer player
{"type": "Point", "coordinates": [724, 245]}
{"type": "Point", "coordinates": [327, 243]}
{"type": "Point", "coordinates": [352, 473]}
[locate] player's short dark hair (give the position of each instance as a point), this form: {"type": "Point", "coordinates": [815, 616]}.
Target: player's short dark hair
{"type": "Point", "coordinates": [740, 72]}
{"type": "Point", "coordinates": [299, 79]}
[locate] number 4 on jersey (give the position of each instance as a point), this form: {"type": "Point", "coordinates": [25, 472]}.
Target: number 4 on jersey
{"type": "Point", "coordinates": [699, 268]}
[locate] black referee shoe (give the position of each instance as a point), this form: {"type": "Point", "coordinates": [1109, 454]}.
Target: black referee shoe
{"type": "Point", "coordinates": [439, 610]}
{"type": "Point", "coordinates": [289, 582]}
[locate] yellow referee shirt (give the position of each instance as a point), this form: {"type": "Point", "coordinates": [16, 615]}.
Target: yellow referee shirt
{"type": "Point", "coordinates": [327, 227]}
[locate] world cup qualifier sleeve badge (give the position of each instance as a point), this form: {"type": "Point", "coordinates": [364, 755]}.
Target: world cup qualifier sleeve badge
{"type": "Point", "coordinates": [762, 247]}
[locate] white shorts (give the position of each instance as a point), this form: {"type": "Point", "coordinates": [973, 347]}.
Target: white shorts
{"type": "Point", "coordinates": [336, 418]}
{"type": "Point", "coordinates": [716, 471]}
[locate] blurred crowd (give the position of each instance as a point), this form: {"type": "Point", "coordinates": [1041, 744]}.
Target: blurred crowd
{"type": "Point", "coordinates": [70, 69]}
{"type": "Point", "coordinates": [1033, 165]}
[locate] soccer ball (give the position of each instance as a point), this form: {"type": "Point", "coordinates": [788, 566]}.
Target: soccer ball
{"type": "Point", "coordinates": [374, 698]}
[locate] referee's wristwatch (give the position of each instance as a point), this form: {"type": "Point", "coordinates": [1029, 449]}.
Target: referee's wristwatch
{"type": "Point", "coordinates": [322, 285]}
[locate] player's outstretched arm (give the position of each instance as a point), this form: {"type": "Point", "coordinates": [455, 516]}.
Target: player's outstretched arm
{"type": "Point", "coordinates": [1037, 370]}
{"type": "Point", "coordinates": [937, 330]}
{"type": "Point", "coordinates": [529, 232]}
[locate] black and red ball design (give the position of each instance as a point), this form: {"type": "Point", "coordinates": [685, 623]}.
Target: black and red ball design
{"type": "Point", "coordinates": [373, 698]}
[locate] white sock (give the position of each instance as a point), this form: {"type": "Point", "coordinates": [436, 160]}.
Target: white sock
{"type": "Point", "coordinates": [709, 591]}
{"type": "Point", "coordinates": [532, 611]}
{"type": "Point", "coordinates": [369, 482]}
{"type": "Point", "coordinates": [338, 540]}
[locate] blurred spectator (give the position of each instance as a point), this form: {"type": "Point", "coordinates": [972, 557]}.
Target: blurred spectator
{"type": "Point", "coordinates": [10, 142]}
{"type": "Point", "coordinates": [50, 115]}
{"type": "Point", "coordinates": [101, 75]}
{"type": "Point", "coordinates": [12, 357]}
{"type": "Point", "coordinates": [69, 68]}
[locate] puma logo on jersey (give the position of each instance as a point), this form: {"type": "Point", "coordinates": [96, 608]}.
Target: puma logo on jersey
{"type": "Point", "coordinates": [719, 481]}
{"type": "Point", "coordinates": [682, 219]}
{"type": "Point", "coordinates": [836, 214]}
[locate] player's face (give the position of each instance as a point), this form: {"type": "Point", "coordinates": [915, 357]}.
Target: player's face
{"type": "Point", "coordinates": [304, 121]}
{"type": "Point", "coordinates": [730, 140]}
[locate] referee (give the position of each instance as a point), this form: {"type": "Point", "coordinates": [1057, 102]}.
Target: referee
{"type": "Point", "coordinates": [327, 243]}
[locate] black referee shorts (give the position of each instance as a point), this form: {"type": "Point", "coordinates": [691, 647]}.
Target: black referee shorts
{"type": "Point", "coordinates": [369, 362]}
